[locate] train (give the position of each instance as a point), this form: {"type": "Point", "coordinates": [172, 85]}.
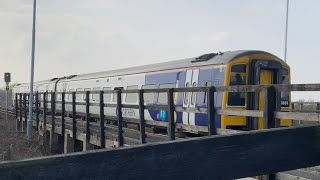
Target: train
{"type": "Point", "coordinates": [240, 67]}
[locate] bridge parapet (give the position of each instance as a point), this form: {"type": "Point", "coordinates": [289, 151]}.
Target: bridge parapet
{"type": "Point", "coordinates": [248, 153]}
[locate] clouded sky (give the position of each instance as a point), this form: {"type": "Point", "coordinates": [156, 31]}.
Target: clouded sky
{"type": "Point", "coordinates": [82, 36]}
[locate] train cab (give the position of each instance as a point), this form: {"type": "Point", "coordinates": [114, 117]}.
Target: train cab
{"type": "Point", "coordinates": [253, 69]}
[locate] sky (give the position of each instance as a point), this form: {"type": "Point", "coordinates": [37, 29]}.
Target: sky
{"type": "Point", "coordinates": [84, 36]}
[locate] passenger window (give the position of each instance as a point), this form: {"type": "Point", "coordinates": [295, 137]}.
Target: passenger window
{"type": "Point", "coordinates": [79, 96]}
{"type": "Point", "coordinates": [40, 95]}
{"type": "Point", "coordinates": [69, 96]}
{"type": "Point", "coordinates": [132, 97]}
{"type": "Point", "coordinates": [115, 94]}
{"type": "Point", "coordinates": [239, 68]}
{"type": "Point", "coordinates": [59, 95]}
{"type": "Point", "coordinates": [149, 98]}
{"type": "Point", "coordinates": [163, 98]}
{"type": "Point", "coordinates": [49, 96]}
{"type": "Point", "coordinates": [84, 95]}
{"type": "Point", "coordinates": [237, 98]}
{"type": "Point", "coordinates": [107, 96]}
{"type": "Point", "coordinates": [96, 96]}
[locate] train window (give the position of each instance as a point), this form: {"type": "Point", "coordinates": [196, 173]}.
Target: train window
{"type": "Point", "coordinates": [162, 98]}
{"type": "Point", "coordinates": [237, 98]}
{"type": "Point", "coordinates": [193, 94]}
{"type": "Point", "coordinates": [69, 96]}
{"type": "Point", "coordinates": [49, 96]}
{"type": "Point", "coordinates": [79, 96]}
{"type": "Point", "coordinates": [186, 94]}
{"type": "Point", "coordinates": [240, 68]}
{"type": "Point", "coordinates": [285, 71]}
{"type": "Point", "coordinates": [41, 94]}
{"type": "Point", "coordinates": [106, 96]}
{"type": "Point", "coordinates": [96, 96]}
{"type": "Point", "coordinates": [132, 97]}
{"type": "Point", "coordinates": [149, 98]}
{"type": "Point", "coordinates": [115, 94]}
{"type": "Point", "coordinates": [59, 95]}
{"type": "Point", "coordinates": [84, 95]}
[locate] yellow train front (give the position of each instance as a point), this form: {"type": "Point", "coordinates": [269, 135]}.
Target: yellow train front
{"type": "Point", "coordinates": [258, 68]}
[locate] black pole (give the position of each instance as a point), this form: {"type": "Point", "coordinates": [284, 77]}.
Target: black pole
{"type": "Point", "coordinates": [63, 111]}
{"type": "Point", "coordinates": [211, 111]}
{"type": "Point", "coordinates": [53, 111]}
{"type": "Point", "coordinates": [102, 128]}
{"type": "Point", "coordinates": [16, 105]}
{"type": "Point", "coordinates": [74, 120]}
{"type": "Point", "coordinates": [45, 111]}
{"type": "Point", "coordinates": [25, 109]}
{"type": "Point", "coordinates": [171, 127]}
{"type": "Point", "coordinates": [141, 117]}
{"type": "Point", "coordinates": [119, 113]}
{"type": "Point", "coordinates": [37, 109]}
{"type": "Point", "coordinates": [20, 112]}
{"type": "Point", "coordinates": [87, 117]}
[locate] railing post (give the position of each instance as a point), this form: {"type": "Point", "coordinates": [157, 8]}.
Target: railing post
{"type": "Point", "coordinates": [301, 106]}
{"type": "Point", "coordinates": [45, 111]}
{"type": "Point", "coordinates": [141, 118]}
{"type": "Point", "coordinates": [301, 110]}
{"type": "Point", "coordinates": [102, 129]}
{"type": "Point", "coordinates": [120, 120]}
{"type": "Point", "coordinates": [87, 119]}
{"type": "Point", "coordinates": [54, 140]}
{"type": "Point", "coordinates": [63, 112]}
{"type": "Point", "coordinates": [24, 124]}
{"type": "Point", "coordinates": [53, 103]}
{"type": "Point", "coordinates": [16, 105]}
{"type": "Point", "coordinates": [74, 120]}
{"type": "Point", "coordinates": [269, 120]}
{"type": "Point", "coordinates": [37, 109]}
{"type": "Point", "coordinates": [20, 113]}
{"type": "Point", "coordinates": [292, 107]}
{"type": "Point", "coordinates": [171, 126]}
{"type": "Point", "coordinates": [318, 108]}
{"type": "Point", "coordinates": [270, 99]}
{"type": "Point", "coordinates": [211, 111]}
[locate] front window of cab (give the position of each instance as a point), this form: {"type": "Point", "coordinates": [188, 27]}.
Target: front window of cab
{"type": "Point", "coordinates": [237, 77]}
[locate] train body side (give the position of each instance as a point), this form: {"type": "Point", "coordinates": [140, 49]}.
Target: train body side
{"type": "Point", "coordinates": [205, 71]}
{"type": "Point", "coordinates": [208, 76]}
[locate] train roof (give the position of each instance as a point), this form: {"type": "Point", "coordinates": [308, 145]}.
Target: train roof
{"type": "Point", "coordinates": [220, 58]}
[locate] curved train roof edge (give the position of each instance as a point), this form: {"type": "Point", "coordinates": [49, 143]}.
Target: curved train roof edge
{"type": "Point", "coordinates": [216, 59]}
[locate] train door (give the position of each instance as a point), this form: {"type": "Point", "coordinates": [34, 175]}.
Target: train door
{"type": "Point", "coordinates": [263, 72]}
{"type": "Point", "coordinates": [189, 99]}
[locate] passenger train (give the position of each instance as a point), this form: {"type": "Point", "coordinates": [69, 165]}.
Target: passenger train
{"type": "Point", "coordinates": [243, 67]}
